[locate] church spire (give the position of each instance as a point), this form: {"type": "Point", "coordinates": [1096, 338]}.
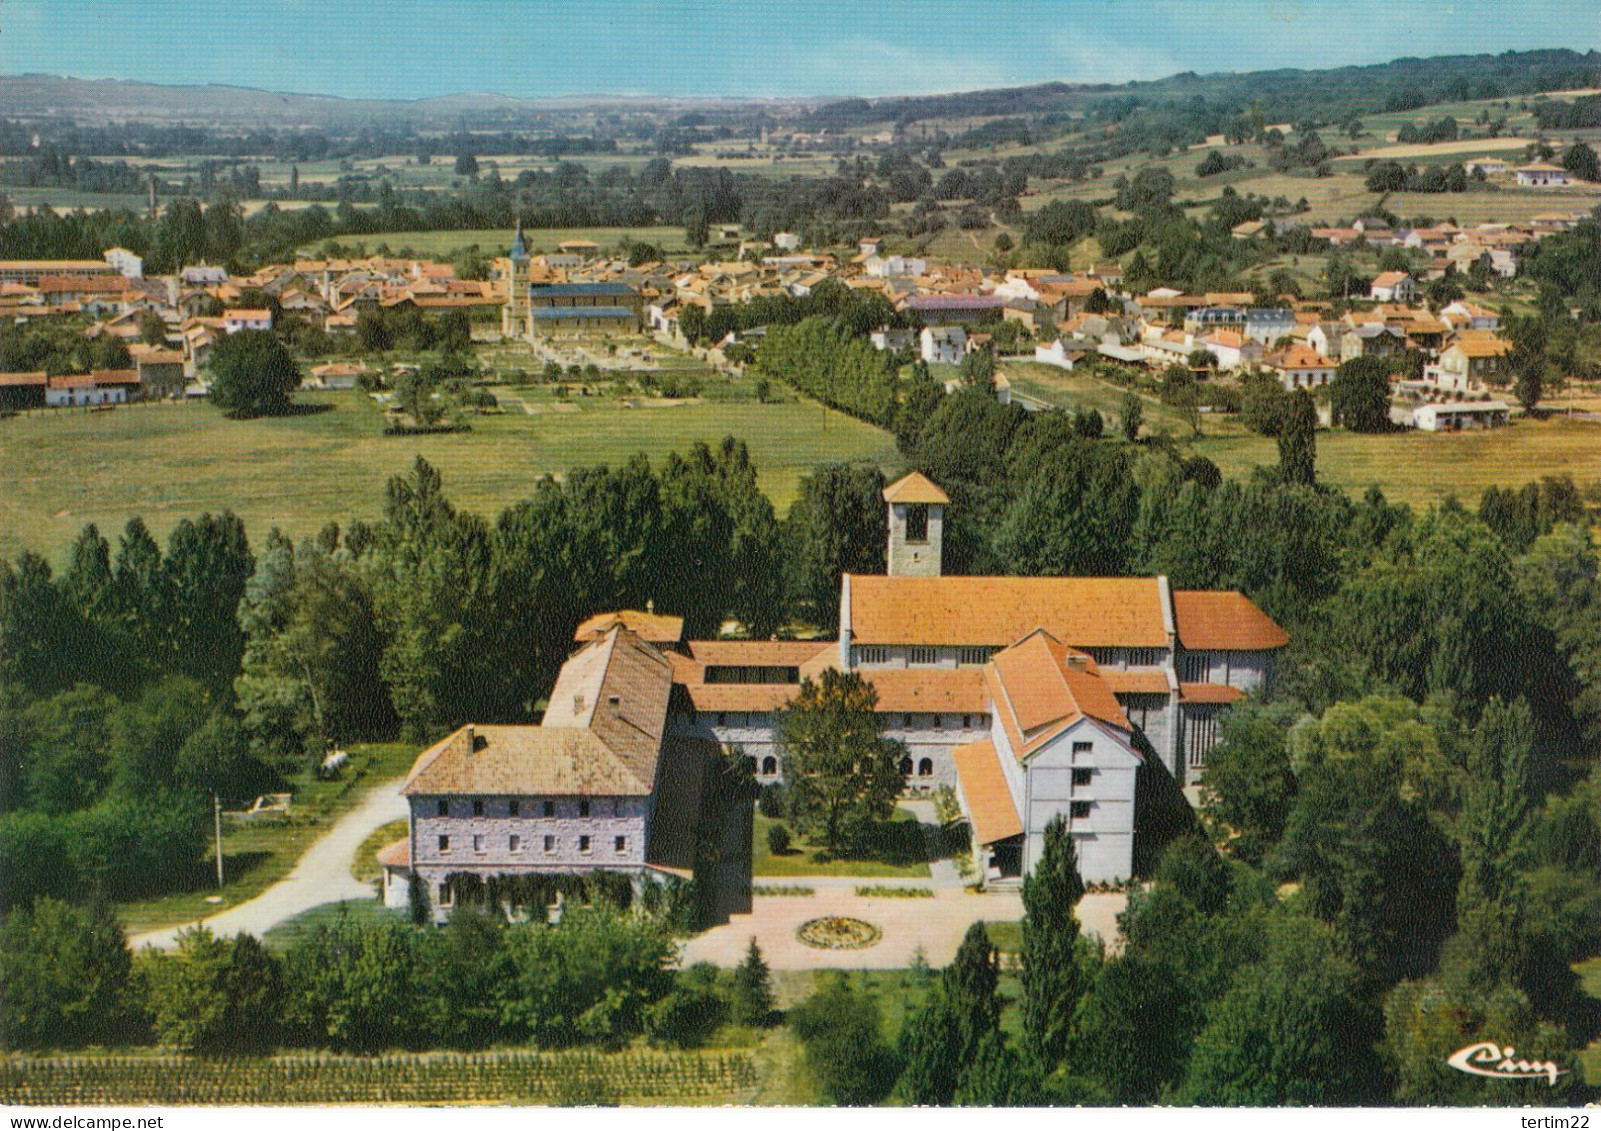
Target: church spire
{"type": "Point", "coordinates": [519, 250]}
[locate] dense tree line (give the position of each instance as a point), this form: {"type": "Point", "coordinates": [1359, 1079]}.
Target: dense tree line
{"type": "Point", "coordinates": [600, 977]}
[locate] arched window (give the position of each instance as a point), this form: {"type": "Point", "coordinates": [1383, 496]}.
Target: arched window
{"type": "Point", "coordinates": [769, 765]}
{"type": "Point", "coordinates": [906, 767]}
{"type": "Point", "coordinates": [925, 768]}
{"type": "Point", "coordinates": [750, 763]}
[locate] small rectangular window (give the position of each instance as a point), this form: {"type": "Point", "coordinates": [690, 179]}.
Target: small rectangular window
{"type": "Point", "coordinates": [872, 654]}
{"type": "Point", "coordinates": [515, 843]}
{"type": "Point", "coordinates": [583, 808]}
{"type": "Point", "coordinates": [1081, 809]}
{"type": "Point", "coordinates": [444, 895]}
{"type": "Point", "coordinates": [923, 656]}
{"type": "Point", "coordinates": [444, 808]}
{"type": "Point", "coordinates": [478, 807]}
{"type": "Point", "coordinates": [550, 809]}
{"type": "Point", "coordinates": [1082, 748]}
{"type": "Point", "coordinates": [583, 844]}
{"type": "Point", "coordinates": [550, 844]}
{"type": "Point", "coordinates": [444, 843]}
{"type": "Point", "coordinates": [478, 842]}
{"type": "Point", "coordinates": [974, 655]}
{"type": "Point", "coordinates": [1082, 777]}
{"type": "Point", "coordinates": [622, 844]}
{"type": "Point", "coordinates": [514, 808]}
{"type": "Point", "coordinates": [906, 722]}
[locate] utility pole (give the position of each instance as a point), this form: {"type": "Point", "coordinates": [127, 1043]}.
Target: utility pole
{"type": "Point", "coordinates": [216, 815]}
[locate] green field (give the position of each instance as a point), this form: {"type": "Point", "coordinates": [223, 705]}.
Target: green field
{"type": "Point", "coordinates": [495, 241]}
{"type": "Point", "coordinates": [1422, 468]}
{"type": "Point", "coordinates": [165, 462]}
{"type": "Point", "coordinates": [260, 852]}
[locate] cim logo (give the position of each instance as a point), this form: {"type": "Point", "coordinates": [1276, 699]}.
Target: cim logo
{"type": "Point", "coordinates": [1489, 1059]}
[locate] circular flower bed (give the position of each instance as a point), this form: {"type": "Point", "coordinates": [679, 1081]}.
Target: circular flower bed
{"type": "Point", "coordinates": [835, 932]}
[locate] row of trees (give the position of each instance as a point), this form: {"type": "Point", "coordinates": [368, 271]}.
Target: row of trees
{"type": "Point", "coordinates": [600, 977]}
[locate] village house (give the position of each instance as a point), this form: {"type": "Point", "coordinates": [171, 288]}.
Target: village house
{"type": "Point", "coordinates": [1452, 416]}
{"type": "Point", "coordinates": [23, 390]}
{"type": "Point", "coordinates": [1475, 357]}
{"type": "Point", "coordinates": [235, 319]}
{"type": "Point", "coordinates": [1300, 367]}
{"type": "Point", "coordinates": [101, 387]}
{"type": "Point", "coordinates": [943, 344]}
{"type": "Point", "coordinates": [1541, 175]}
{"type": "Point", "coordinates": [1232, 349]}
{"type": "Point", "coordinates": [1393, 286]}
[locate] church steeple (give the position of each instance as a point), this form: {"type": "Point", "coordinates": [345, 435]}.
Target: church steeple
{"type": "Point", "coordinates": [519, 250]}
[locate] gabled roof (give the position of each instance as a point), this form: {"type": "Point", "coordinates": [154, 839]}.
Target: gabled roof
{"type": "Point", "coordinates": [1086, 612]}
{"type": "Point", "coordinates": [649, 627]}
{"type": "Point", "coordinates": [989, 801]}
{"type": "Point", "coordinates": [1224, 620]}
{"type": "Point", "coordinates": [602, 733]}
{"type": "Point", "coordinates": [915, 488]}
{"type": "Point", "coordinates": [1041, 687]}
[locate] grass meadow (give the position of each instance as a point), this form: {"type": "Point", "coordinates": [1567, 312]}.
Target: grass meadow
{"type": "Point", "coordinates": [165, 462]}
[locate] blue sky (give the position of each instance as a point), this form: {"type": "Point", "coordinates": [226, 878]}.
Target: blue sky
{"type": "Point", "coordinates": [419, 48]}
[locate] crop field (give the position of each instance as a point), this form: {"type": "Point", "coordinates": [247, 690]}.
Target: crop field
{"type": "Point", "coordinates": [169, 461]}
{"type": "Point", "coordinates": [1422, 468]}
{"type": "Point", "coordinates": [557, 1078]}
{"type": "Point", "coordinates": [494, 241]}
{"type": "Point", "coordinates": [1509, 206]}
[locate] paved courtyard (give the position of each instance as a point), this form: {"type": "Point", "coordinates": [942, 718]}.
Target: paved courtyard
{"type": "Point", "coordinates": [936, 925]}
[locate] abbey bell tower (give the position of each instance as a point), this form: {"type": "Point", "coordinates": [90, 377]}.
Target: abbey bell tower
{"type": "Point", "coordinates": [916, 526]}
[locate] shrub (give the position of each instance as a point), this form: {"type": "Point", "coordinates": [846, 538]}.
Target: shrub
{"type": "Point", "coordinates": [778, 840]}
{"type": "Point", "coordinates": [770, 802]}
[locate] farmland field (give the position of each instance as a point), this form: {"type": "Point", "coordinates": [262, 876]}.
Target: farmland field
{"type": "Point", "coordinates": [1422, 468]}
{"type": "Point", "coordinates": [170, 461]}
{"type": "Point", "coordinates": [569, 1077]}
{"type": "Point", "coordinates": [495, 241]}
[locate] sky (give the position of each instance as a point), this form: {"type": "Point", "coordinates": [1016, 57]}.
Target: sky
{"type": "Point", "coordinates": [745, 48]}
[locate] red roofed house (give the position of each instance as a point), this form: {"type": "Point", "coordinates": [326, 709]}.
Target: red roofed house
{"type": "Point", "coordinates": [1301, 367]}
{"type": "Point", "coordinates": [237, 318]}
{"type": "Point", "coordinates": [103, 386]}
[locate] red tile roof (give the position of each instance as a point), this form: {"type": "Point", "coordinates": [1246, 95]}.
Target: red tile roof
{"type": "Point", "coordinates": [989, 801]}
{"type": "Point", "coordinates": [1224, 620]}
{"type": "Point", "coordinates": [649, 627]}
{"type": "Point", "coordinates": [1209, 693]}
{"type": "Point", "coordinates": [1040, 687]}
{"type": "Point", "coordinates": [915, 488]}
{"type": "Point", "coordinates": [1084, 612]}
{"type": "Point", "coordinates": [396, 855]}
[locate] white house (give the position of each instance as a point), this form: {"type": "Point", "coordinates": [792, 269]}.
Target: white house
{"type": "Point", "coordinates": [1393, 286]}
{"type": "Point", "coordinates": [1459, 416]}
{"type": "Point", "coordinates": [882, 266]}
{"type": "Point", "coordinates": [125, 263]}
{"type": "Point", "coordinates": [1489, 166]}
{"type": "Point", "coordinates": [786, 241]}
{"type": "Point", "coordinates": [101, 387]}
{"type": "Point", "coordinates": [237, 318]}
{"type": "Point", "coordinates": [1060, 354]}
{"type": "Point", "coordinates": [1541, 175]}
{"type": "Point", "coordinates": [947, 344]}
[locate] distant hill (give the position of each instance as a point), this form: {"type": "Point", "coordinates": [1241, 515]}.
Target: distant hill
{"type": "Point", "coordinates": [118, 100]}
{"type": "Point", "coordinates": [1283, 95]}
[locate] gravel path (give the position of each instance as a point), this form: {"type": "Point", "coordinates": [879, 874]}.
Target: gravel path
{"type": "Point", "coordinates": [321, 876]}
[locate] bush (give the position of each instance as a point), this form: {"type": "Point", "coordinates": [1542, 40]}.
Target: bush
{"type": "Point", "coordinates": [770, 801]}
{"type": "Point", "coordinates": [845, 1046]}
{"type": "Point", "coordinates": [688, 1016]}
{"type": "Point", "coordinates": [778, 840]}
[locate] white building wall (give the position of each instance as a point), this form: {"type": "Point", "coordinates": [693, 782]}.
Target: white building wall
{"type": "Point", "coordinates": [1104, 836]}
